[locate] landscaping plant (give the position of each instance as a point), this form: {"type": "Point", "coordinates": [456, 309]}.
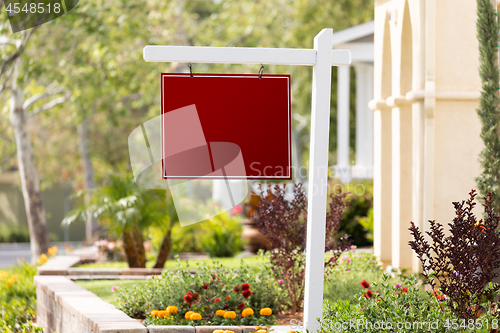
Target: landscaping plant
{"type": "Point", "coordinates": [464, 263]}
{"type": "Point", "coordinates": [18, 299]}
{"type": "Point", "coordinates": [126, 211]}
{"type": "Point", "coordinates": [488, 111]}
{"type": "Point", "coordinates": [212, 291]}
{"type": "Point", "coordinates": [401, 307]}
{"type": "Point", "coordinates": [221, 235]}
{"type": "Point", "coordinates": [283, 222]}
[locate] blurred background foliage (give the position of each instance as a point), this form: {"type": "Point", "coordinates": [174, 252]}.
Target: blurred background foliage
{"type": "Point", "coordinates": [95, 52]}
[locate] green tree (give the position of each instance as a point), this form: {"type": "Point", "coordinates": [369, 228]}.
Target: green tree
{"type": "Point", "coordinates": [126, 211]}
{"type": "Point", "coordinates": [488, 111]}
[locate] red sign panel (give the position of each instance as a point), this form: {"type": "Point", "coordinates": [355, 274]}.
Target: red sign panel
{"type": "Point", "coordinates": [234, 126]}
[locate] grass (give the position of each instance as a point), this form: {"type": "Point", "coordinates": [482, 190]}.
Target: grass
{"type": "Point", "coordinates": [253, 262]}
{"type": "Point", "coordinates": [342, 284]}
{"type": "Point", "coordinates": [102, 288]}
{"type": "Point", "coordinates": [344, 281]}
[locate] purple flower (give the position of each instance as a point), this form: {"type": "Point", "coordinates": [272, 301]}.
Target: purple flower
{"type": "Point", "coordinates": [349, 260]}
{"type": "Point", "coordinates": [352, 247]}
{"type": "Point", "coordinates": [398, 286]}
{"type": "Point", "coordinates": [343, 258]}
{"type": "Point", "coordinates": [289, 259]}
{"type": "Point", "coordinates": [374, 261]}
{"type": "Point", "coordinates": [332, 258]}
{"type": "Point", "coordinates": [113, 289]}
{"type": "Point", "coordinates": [280, 281]}
{"type": "Point", "coordinates": [348, 271]}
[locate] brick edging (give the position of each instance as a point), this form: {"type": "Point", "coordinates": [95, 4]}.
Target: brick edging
{"type": "Point", "coordinates": [65, 307]}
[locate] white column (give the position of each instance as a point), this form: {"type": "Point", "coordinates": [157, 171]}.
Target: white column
{"type": "Point", "coordinates": [402, 179]}
{"type": "Point", "coordinates": [382, 184]}
{"type": "Point", "coordinates": [343, 85]}
{"type": "Point", "coordinates": [318, 180]}
{"type": "Point", "coordinates": [364, 121]}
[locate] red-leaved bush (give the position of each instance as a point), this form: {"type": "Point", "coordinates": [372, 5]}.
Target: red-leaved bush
{"type": "Point", "coordinates": [464, 263]}
{"type": "Point", "coordinates": [284, 224]}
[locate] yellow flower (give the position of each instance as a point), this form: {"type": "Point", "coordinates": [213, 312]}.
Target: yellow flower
{"type": "Point", "coordinates": [163, 314]}
{"type": "Point", "coordinates": [43, 259]}
{"type": "Point", "coordinates": [220, 313]}
{"type": "Point", "coordinates": [172, 309]}
{"type": "Point", "coordinates": [291, 332]}
{"type": "Point", "coordinates": [3, 275]}
{"type": "Point", "coordinates": [218, 331]}
{"type": "Point", "coordinates": [247, 313]}
{"type": "Point", "coordinates": [230, 315]}
{"type": "Point", "coordinates": [266, 312]}
{"type": "Point", "coordinates": [261, 331]}
{"type": "Point", "coordinates": [154, 313]}
{"type": "Point", "coordinates": [12, 279]}
{"type": "Point", "coordinates": [259, 328]}
{"type": "Point", "coordinates": [52, 250]}
{"type": "Point", "coordinates": [188, 314]}
{"type": "Point", "coordinates": [195, 316]}
{"type": "Point", "coordinates": [228, 331]}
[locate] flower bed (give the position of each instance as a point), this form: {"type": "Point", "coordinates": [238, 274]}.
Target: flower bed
{"type": "Point", "coordinates": [214, 296]}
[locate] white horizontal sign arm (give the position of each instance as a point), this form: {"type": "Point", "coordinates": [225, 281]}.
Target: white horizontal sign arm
{"type": "Point", "coordinates": [240, 55]}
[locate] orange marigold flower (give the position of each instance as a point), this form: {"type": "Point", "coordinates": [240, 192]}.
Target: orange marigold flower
{"type": "Point", "coordinates": [188, 314]}
{"type": "Point", "coordinates": [220, 313]}
{"type": "Point", "coordinates": [172, 309]}
{"type": "Point", "coordinates": [247, 312]}
{"type": "Point", "coordinates": [230, 315]}
{"type": "Point", "coordinates": [154, 313]}
{"type": "Point", "coordinates": [163, 314]}
{"type": "Point", "coordinates": [195, 316]}
{"type": "Point", "coordinates": [266, 312]}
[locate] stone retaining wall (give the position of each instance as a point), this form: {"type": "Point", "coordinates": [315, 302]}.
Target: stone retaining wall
{"type": "Point", "coordinates": [65, 307]}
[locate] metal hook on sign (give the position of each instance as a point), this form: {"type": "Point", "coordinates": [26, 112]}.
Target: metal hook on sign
{"type": "Point", "coordinates": [190, 69]}
{"type": "Point", "coordinates": [261, 71]}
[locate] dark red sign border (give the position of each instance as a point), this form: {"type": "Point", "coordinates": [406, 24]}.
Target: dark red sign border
{"type": "Point", "coordinates": [260, 76]}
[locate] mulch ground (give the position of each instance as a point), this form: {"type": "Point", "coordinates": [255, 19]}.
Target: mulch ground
{"type": "Point", "coordinates": [285, 318]}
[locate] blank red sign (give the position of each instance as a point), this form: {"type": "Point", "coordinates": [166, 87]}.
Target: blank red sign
{"type": "Point", "coordinates": [226, 125]}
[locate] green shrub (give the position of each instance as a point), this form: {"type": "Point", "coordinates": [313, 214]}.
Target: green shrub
{"type": "Point", "coordinates": [356, 221]}
{"type": "Point", "coordinates": [210, 283]}
{"type": "Point", "coordinates": [400, 307]}
{"type": "Point", "coordinates": [221, 236]}
{"type": "Point", "coordinates": [17, 298]}
{"type": "Point", "coordinates": [186, 239]}
{"type": "Point", "coordinates": [14, 233]}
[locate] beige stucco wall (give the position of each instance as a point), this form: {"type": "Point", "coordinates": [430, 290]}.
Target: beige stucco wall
{"type": "Point", "coordinates": [435, 143]}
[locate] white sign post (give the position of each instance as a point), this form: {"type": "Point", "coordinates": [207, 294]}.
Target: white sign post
{"type": "Point", "coordinates": [322, 58]}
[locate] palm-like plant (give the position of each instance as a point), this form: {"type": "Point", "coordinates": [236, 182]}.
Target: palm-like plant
{"type": "Point", "coordinates": [126, 210]}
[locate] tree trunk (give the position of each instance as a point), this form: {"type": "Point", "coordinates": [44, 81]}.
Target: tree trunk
{"type": "Point", "coordinates": [88, 178]}
{"type": "Point", "coordinates": [139, 246]}
{"type": "Point", "coordinates": [129, 248]}
{"type": "Point", "coordinates": [165, 248]}
{"type": "Point", "coordinates": [35, 211]}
